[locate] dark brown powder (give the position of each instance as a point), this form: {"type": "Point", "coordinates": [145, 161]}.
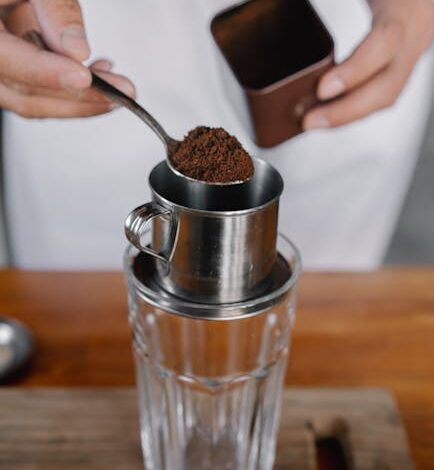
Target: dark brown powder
{"type": "Point", "coordinates": [212, 155]}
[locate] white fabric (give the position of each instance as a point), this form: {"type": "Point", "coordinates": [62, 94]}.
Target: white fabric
{"type": "Point", "coordinates": [71, 183]}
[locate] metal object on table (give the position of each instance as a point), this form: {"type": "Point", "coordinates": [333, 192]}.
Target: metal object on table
{"type": "Point", "coordinates": [16, 346]}
{"type": "Point", "coordinates": [129, 103]}
{"type": "Point", "coordinates": [212, 244]}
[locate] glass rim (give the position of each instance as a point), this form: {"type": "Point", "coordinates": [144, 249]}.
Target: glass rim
{"type": "Point", "coordinates": [226, 311]}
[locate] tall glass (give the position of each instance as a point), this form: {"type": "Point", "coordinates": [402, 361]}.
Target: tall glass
{"type": "Point", "coordinates": [210, 388]}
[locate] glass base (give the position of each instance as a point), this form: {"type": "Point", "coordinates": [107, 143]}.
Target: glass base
{"type": "Point", "coordinates": [197, 423]}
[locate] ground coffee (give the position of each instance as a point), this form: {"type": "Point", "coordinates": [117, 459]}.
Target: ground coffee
{"type": "Point", "coordinates": [212, 155]}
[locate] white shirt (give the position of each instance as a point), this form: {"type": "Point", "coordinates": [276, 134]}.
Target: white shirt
{"type": "Point", "coordinates": [71, 183]}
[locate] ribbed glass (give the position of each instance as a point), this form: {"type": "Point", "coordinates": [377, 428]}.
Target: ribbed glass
{"type": "Point", "coordinates": [209, 390]}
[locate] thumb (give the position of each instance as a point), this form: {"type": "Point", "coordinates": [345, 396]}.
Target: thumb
{"type": "Point", "coordinates": [62, 27]}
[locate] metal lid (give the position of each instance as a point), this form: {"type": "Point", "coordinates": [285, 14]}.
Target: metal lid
{"type": "Point", "coordinates": [141, 273]}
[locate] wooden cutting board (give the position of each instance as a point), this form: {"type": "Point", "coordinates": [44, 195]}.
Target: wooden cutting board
{"type": "Point", "coordinates": [97, 429]}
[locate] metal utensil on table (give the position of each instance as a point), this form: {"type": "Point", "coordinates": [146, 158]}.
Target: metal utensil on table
{"type": "Point", "coordinates": [16, 346]}
{"type": "Point", "coordinates": [124, 100]}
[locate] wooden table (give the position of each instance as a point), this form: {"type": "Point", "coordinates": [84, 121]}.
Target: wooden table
{"type": "Point", "coordinates": [352, 330]}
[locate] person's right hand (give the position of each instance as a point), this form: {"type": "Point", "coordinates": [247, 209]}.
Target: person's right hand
{"type": "Point", "coordinates": [41, 84]}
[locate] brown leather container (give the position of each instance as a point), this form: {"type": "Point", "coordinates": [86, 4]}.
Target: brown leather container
{"type": "Point", "coordinates": [273, 55]}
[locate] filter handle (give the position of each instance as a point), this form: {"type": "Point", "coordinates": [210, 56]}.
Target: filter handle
{"type": "Point", "coordinates": [138, 222]}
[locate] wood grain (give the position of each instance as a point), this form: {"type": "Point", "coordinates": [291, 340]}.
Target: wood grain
{"type": "Point", "coordinates": [353, 330]}
{"type": "Point", "coordinates": [98, 429]}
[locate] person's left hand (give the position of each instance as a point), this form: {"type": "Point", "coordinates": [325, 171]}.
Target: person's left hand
{"type": "Point", "coordinates": [373, 77]}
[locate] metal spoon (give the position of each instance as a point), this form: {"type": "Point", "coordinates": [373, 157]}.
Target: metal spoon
{"type": "Point", "coordinates": [124, 100]}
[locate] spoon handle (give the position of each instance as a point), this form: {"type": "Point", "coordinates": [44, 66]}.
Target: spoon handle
{"type": "Point", "coordinates": [122, 99]}
{"type": "Point", "coordinates": [114, 94]}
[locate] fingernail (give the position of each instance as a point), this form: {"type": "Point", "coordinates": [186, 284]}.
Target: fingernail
{"type": "Point", "coordinates": [75, 80]}
{"type": "Point", "coordinates": [331, 87]}
{"type": "Point", "coordinates": [104, 66]}
{"type": "Point", "coordinates": [315, 121]}
{"type": "Point", "coordinates": [74, 41]}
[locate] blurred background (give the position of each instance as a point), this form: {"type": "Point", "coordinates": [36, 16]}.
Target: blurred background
{"type": "Point", "coordinates": [413, 242]}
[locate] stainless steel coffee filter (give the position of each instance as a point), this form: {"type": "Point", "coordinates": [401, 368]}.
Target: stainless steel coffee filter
{"type": "Point", "coordinates": [211, 244]}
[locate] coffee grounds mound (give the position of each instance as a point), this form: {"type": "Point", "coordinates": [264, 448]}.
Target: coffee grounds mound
{"type": "Point", "coordinates": [212, 155]}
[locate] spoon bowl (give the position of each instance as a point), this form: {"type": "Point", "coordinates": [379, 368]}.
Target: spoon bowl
{"type": "Point", "coordinates": [170, 143]}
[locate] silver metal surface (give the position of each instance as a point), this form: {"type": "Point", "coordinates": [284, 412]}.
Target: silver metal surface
{"type": "Point", "coordinates": [141, 271]}
{"type": "Point", "coordinates": [212, 244]}
{"type": "Point", "coordinates": [129, 103]}
{"type": "Point", "coordinates": [16, 346]}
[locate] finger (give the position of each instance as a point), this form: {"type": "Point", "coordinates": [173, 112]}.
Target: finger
{"type": "Point", "coordinates": [62, 27]}
{"type": "Point", "coordinates": [102, 65]}
{"type": "Point", "coordinates": [8, 2]}
{"type": "Point", "coordinates": [43, 107]}
{"type": "Point", "coordinates": [93, 94]}
{"type": "Point", "coordinates": [119, 81]}
{"type": "Point", "coordinates": [374, 54]}
{"type": "Point", "coordinates": [90, 95]}
{"type": "Point", "coordinates": [379, 93]}
{"type": "Point", "coordinates": [24, 62]}
{"type": "Point", "coordinates": [21, 19]}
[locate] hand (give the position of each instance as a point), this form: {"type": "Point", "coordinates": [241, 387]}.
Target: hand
{"type": "Point", "coordinates": [41, 84]}
{"type": "Point", "coordinates": [373, 77]}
